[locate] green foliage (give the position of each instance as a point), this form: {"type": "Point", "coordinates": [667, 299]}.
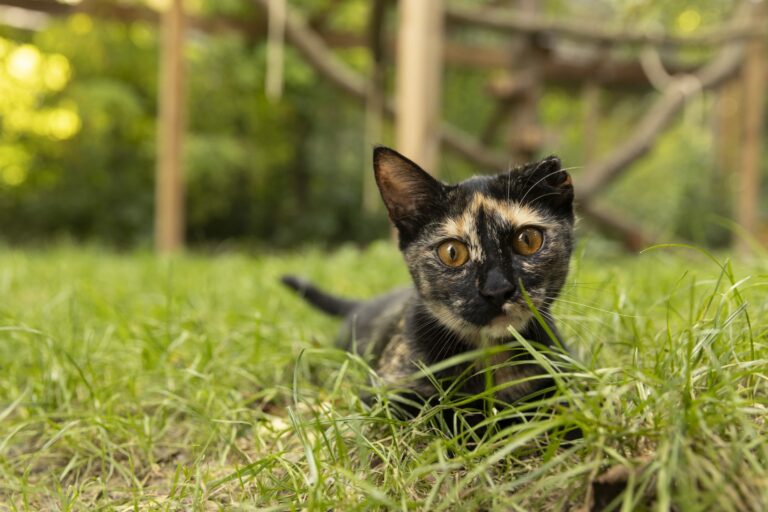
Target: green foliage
{"type": "Point", "coordinates": [677, 188]}
{"type": "Point", "coordinates": [97, 180]}
{"type": "Point", "coordinates": [282, 172]}
{"type": "Point", "coordinates": [195, 382]}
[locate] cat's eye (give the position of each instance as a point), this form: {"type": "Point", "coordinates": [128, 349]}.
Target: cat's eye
{"type": "Point", "coordinates": [453, 253]}
{"type": "Point", "coordinates": [528, 241]}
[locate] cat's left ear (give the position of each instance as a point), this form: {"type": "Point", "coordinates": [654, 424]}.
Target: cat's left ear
{"type": "Point", "coordinates": [409, 192]}
{"type": "Point", "coordinates": [550, 175]}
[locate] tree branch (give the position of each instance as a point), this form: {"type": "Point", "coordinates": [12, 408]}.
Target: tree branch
{"type": "Point", "coordinates": [633, 235]}
{"type": "Point", "coordinates": [658, 117]}
{"type": "Point", "coordinates": [505, 20]}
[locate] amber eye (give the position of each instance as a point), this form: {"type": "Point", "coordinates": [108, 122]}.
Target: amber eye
{"type": "Point", "coordinates": [453, 253]}
{"type": "Point", "coordinates": [528, 241]}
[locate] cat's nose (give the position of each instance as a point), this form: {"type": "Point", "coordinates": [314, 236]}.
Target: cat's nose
{"type": "Point", "coordinates": [497, 287]}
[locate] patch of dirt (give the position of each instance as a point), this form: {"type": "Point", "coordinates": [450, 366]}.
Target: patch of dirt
{"type": "Point", "coordinates": [609, 485]}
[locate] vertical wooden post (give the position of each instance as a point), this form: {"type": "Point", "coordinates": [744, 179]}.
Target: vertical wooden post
{"type": "Point", "coordinates": [169, 187]}
{"type": "Point", "coordinates": [748, 189]}
{"type": "Point", "coordinates": [728, 128]}
{"type": "Point", "coordinates": [418, 81]}
{"type": "Point", "coordinates": [525, 135]}
{"type": "Point", "coordinates": [374, 104]}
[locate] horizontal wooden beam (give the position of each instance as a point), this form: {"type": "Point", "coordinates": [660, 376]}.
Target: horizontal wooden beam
{"type": "Point", "coordinates": [45, 6]}
{"type": "Point", "coordinates": [516, 22]}
{"type": "Point", "coordinates": [559, 71]}
{"type": "Point", "coordinates": [609, 72]}
{"type": "Point", "coordinates": [129, 13]}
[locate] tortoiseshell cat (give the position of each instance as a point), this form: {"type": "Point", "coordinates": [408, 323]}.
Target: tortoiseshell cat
{"type": "Point", "coordinates": [469, 248]}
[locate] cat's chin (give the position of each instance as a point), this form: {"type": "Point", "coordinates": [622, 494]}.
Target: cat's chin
{"type": "Point", "coordinates": [513, 315]}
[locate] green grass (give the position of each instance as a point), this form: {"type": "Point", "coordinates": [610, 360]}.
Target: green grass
{"type": "Point", "coordinates": [130, 382]}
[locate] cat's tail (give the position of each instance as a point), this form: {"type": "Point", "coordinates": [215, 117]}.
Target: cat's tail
{"type": "Point", "coordinates": [323, 301]}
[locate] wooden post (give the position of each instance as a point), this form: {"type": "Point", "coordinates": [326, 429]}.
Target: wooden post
{"type": "Point", "coordinates": [525, 135]}
{"type": "Point", "coordinates": [374, 101]}
{"type": "Point", "coordinates": [748, 189]}
{"type": "Point", "coordinates": [418, 81]}
{"type": "Point", "coordinates": [169, 187]}
{"type": "Point", "coordinates": [728, 128]}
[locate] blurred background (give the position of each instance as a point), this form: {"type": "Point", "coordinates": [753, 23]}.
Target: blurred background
{"type": "Point", "coordinates": [133, 123]}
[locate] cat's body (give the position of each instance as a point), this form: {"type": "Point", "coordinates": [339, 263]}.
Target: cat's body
{"type": "Point", "coordinates": [474, 250]}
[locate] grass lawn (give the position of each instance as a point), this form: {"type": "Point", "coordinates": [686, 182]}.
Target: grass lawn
{"type": "Point", "coordinates": [129, 382]}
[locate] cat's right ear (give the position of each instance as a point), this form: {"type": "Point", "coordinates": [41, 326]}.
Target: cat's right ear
{"type": "Point", "coordinates": [410, 194]}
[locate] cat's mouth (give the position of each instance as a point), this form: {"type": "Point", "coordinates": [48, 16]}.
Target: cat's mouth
{"type": "Point", "coordinates": [512, 314]}
{"type": "Point", "coordinates": [494, 326]}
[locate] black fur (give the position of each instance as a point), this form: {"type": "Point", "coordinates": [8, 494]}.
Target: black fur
{"type": "Point", "coordinates": [323, 301]}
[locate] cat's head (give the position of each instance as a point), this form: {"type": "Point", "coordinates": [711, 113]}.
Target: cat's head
{"type": "Point", "coordinates": [470, 247]}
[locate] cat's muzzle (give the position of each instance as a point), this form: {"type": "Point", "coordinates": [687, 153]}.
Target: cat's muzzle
{"type": "Point", "coordinates": [512, 314]}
